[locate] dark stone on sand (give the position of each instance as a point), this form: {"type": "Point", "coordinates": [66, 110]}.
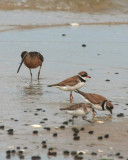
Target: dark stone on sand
{"type": "Point", "coordinates": [13, 151]}
{"type": "Point", "coordinates": [35, 157]}
{"type": "Point", "coordinates": [116, 73]}
{"type": "Point", "coordinates": [82, 129]}
{"type": "Point", "coordinates": [18, 147]}
{"type": "Point", "coordinates": [54, 134]}
{"type": "Point", "coordinates": [93, 153]}
{"type": "Point", "coordinates": [117, 154]}
{"type": "Point", "coordinates": [76, 138]}
{"type": "Point", "coordinates": [16, 120]}
{"type": "Point", "coordinates": [2, 127]}
{"type": "Point", "coordinates": [44, 146]}
{"type": "Point", "coordinates": [126, 104]}
{"type": "Point", "coordinates": [25, 148]}
{"type": "Point", "coordinates": [21, 156]}
{"type": "Point", "coordinates": [120, 115]}
{"type": "Point", "coordinates": [20, 152]}
{"type": "Point", "coordinates": [39, 109]}
{"type": "Point", "coordinates": [83, 45]}
{"type": "Point", "coordinates": [63, 35]}
{"type": "Point", "coordinates": [81, 153]}
{"type": "Point", "coordinates": [98, 54]}
{"type": "Point", "coordinates": [10, 131]}
{"type": "Point", "coordinates": [106, 136]}
{"type": "Point", "coordinates": [45, 119]}
{"type": "Point", "coordinates": [8, 152]}
{"type": "Point", "coordinates": [100, 138]}
{"type": "Point", "coordinates": [42, 122]}
{"type": "Point", "coordinates": [121, 157]}
{"type": "Point", "coordinates": [75, 130]}
{"type": "Point", "coordinates": [62, 127]}
{"type": "Point", "coordinates": [53, 153]}
{"type": "Point", "coordinates": [66, 153]}
{"type": "Point", "coordinates": [90, 132]}
{"type": "Point", "coordinates": [73, 153]}
{"type": "Point", "coordinates": [35, 132]}
{"type": "Point", "coordinates": [66, 123]}
{"type": "Point", "coordinates": [107, 80]}
{"type": "Point", "coordinates": [70, 120]}
{"type": "Point", "coordinates": [36, 114]}
{"type": "Point", "coordinates": [77, 157]}
{"type": "Point", "coordinates": [25, 111]}
{"type": "Point", "coordinates": [47, 128]}
{"type": "Point", "coordinates": [43, 142]}
{"type": "Point", "coordinates": [75, 134]}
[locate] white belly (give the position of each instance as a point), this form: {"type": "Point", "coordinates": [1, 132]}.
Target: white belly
{"type": "Point", "coordinates": [71, 88]}
{"type": "Point", "coordinates": [98, 107]}
{"type": "Point", "coordinates": [78, 112]}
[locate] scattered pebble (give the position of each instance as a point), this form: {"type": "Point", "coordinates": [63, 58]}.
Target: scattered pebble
{"type": "Point", "coordinates": [62, 127]}
{"type": "Point", "coordinates": [43, 142]}
{"type": "Point", "coordinates": [63, 34]}
{"type": "Point", "coordinates": [66, 153]}
{"type": "Point", "coordinates": [44, 146]}
{"type": "Point", "coordinates": [45, 119]}
{"type": "Point", "coordinates": [47, 128]}
{"type": "Point", "coordinates": [83, 45]}
{"type": "Point", "coordinates": [90, 132]}
{"type": "Point", "coordinates": [2, 127]}
{"type": "Point", "coordinates": [54, 134]}
{"type": "Point", "coordinates": [73, 153]}
{"type": "Point", "coordinates": [75, 130]}
{"type": "Point", "coordinates": [117, 154]}
{"type": "Point", "coordinates": [100, 137]}
{"type": "Point", "coordinates": [66, 123]}
{"type": "Point", "coordinates": [107, 80]}
{"type": "Point", "coordinates": [121, 157]}
{"type": "Point", "coordinates": [76, 138]}
{"type": "Point", "coordinates": [10, 131]}
{"type": "Point", "coordinates": [35, 157]}
{"type": "Point", "coordinates": [77, 157]}
{"type": "Point", "coordinates": [35, 132]}
{"type": "Point", "coordinates": [93, 153]}
{"type": "Point", "coordinates": [116, 73]}
{"type": "Point", "coordinates": [120, 115]}
{"type": "Point", "coordinates": [106, 136]}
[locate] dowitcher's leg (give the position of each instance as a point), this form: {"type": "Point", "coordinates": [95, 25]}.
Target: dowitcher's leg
{"type": "Point", "coordinates": [39, 72]}
{"type": "Point", "coordinates": [73, 119]}
{"type": "Point", "coordinates": [71, 97]}
{"type": "Point", "coordinates": [30, 73]}
{"type": "Point", "coordinates": [84, 118]}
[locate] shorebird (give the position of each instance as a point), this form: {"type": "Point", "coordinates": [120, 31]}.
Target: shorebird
{"type": "Point", "coordinates": [31, 60]}
{"type": "Point", "coordinates": [72, 83]}
{"type": "Point", "coordinates": [98, 102]}
{"type": "Point", "coordinates": [81, 109]}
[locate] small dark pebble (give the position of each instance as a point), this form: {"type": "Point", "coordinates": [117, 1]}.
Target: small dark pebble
{"type": "Point", "coordinates": [70, 120]}
{"type": "Point", "coordinates": [36, 114]}
{"type": "Point", "coordinates": [76, 138]}
{"type": "Point", "coordinates": [75, 134]}
{"type": "Point", "coordinates": [20, 152]}
{"type": "Point", "coordinates": [120, 157]}
{"type": "Point", "coordinates": [47, 128]}
{"type": "Point", "coordinates": [100, 137]}
{"type": "Point", "coordinates": [43, 111]}
{"type": "Point", "coordinates": [90, 132]}
{"type": "Point", "coordinates": [93, 153]}
{"type": "Point", "coordinates": [116, 73]}
{"type": "Point", "coordinates": [52, 153]}
{"type": "Point", "coordinates": [98, 54]}
{"type": "Point", "coordinates": [12, 118]}
{"type": "Point", "coordinates": [18, 147]}
{"type": "Point", "coordinates": [1, 127]}
{"type": "Point", "coordinates": [25, 111]}
{"type": "Point", "coordinates": [73, 153]}
{"type": "Point", "coordinates": [120, 115]}
{"type": "Point", "coordinates": [126, 104]}
{"type": "Point", "coordinates": [83, 45]}
{"type": "Point", "coordinates": [21, 156]}
{"type": "Point", "coordinates": [42, 122]}
{"type": "Point", "coordinates": [43, 142]}
{"type": "Point", "coordinates": [45, 119]}
{"type": "Point", "coordinates": [62, 127]}
{"type": "Point", "coordinates": [66, 123]}
{"type": "Point", "coordinates": [118, 154]}
{"type": "Point", "coordinates": [107, 80]}
{"type": "Point", "coordinates": [82, 129]}
{"type": "Point", "coordinates": [39, 109]}
{"type": "Point", "coordinates": [80, 153]}
{"type": "Point", "coordinates": [106, 136]}
{"type": "Point", "coordinates": [13, 151]}
{"type": "Point", "coordinates": [75, 130]}
{"type": "Point", "coordinates": [25, 148]}
{"type": "Point", "coordinates": [66, 153]}
{"type": "Point", "coordinates": [8, 152]}
{"type": "Point", "coordinates": [54, 134]}
{"type": "Point", "coordinates": [77, 157]}
{"type": "Point", "coordinates": [63, 35]}
{"type": "Point", "coordinates": [10, 131]}
{"type": "Point", "coordinates": [50, 149]}
{"type": "Point", "coordinates": [35, 132]}
{"type": "Point", "coordinates": [44, 146]}
{"type": "Point", "coordinates": [35, 157]}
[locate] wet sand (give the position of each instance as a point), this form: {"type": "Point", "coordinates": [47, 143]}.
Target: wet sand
{"type": "Point", "coordinates": [24, 103]}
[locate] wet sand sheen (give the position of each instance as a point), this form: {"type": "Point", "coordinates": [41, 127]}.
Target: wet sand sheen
{"type": "Point", "coordinates": [25, 103]}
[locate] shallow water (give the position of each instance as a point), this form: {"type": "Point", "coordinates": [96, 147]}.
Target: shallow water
{"type": "Point", "coordinates": [64, 56]}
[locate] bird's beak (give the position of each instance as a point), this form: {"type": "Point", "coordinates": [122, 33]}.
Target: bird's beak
{"type": "Point", "coordinates": [20, 65]}
{"type": "Point", "coordinates": [110, 111]}
{"type": "Point", "coordinates": [89, 77]}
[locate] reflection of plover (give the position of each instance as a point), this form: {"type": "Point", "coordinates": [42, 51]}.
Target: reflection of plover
{"type": "Point", "coordinates": [81, 109]}
{"type": "Point", "coordinates": [98, 102]}
{"type": "Point", "coordinates": [72, 83]}
{"type": "Point", "coordinates": [31, 60]}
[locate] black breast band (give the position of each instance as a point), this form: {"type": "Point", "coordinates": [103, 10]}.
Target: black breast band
{"type": "Point", "coordinates": [103, 105]}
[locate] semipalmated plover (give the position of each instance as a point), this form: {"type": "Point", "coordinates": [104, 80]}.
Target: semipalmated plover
{"type": "Point", "coordinates": [31, 60]}
{"type": "Point", "coordinates": [98, 102]}
{"type": "Point", "coordinates": [72, 83]}
{"type": "Point", "coordinates": [80, 109]}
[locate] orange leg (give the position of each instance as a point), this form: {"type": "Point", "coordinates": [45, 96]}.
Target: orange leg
{"type": "Point", "coordinates": [94, 114]}
{"type": "Point", "coordinates": [71, 97]}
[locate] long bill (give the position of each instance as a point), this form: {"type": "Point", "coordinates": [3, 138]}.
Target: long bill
{"type": "Point", "coordinates": [20, 65]}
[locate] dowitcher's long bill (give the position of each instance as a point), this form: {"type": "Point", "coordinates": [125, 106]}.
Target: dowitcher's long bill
{"type": "Point", "coordinates": [72, 83]}
{"type": "Point", "coordinates": [98, 102]}
{"type": "Point", "coordinates": [31, 60]}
